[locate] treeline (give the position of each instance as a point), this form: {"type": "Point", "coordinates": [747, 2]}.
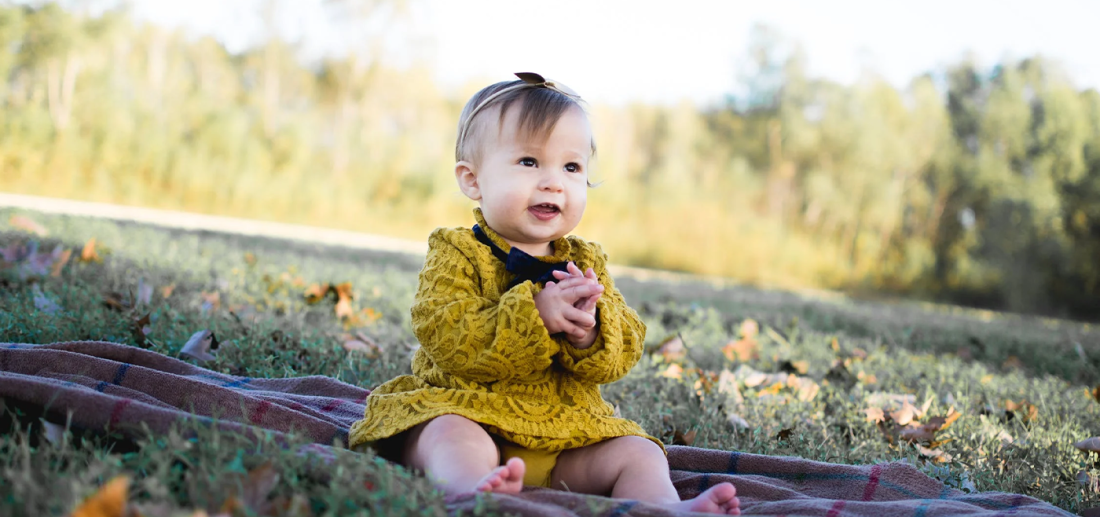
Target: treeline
{"type": "Point", "coordinates": [972, 185]}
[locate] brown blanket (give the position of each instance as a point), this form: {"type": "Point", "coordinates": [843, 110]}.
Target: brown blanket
{"type": "Point", "coordinates": [119, 387]}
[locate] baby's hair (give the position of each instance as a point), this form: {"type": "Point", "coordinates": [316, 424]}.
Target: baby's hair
{"type": "Point", "coordinates": [540, 109]}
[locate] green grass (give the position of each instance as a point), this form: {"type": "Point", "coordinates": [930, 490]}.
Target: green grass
{"type": "Point", "coordinates": [973, 361]}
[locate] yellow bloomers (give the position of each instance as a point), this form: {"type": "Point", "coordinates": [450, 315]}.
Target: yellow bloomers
{"type": "Point", "coordinates": [485, 354]}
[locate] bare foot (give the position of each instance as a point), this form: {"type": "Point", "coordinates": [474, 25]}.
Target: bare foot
{"type": "Point", "coordinates": [720, 499]}
{"type": "Point", "coordinates": [505, 479]}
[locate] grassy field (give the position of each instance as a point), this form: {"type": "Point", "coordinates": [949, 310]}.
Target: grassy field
{"type": "Point", "coordinates": [825, 378]}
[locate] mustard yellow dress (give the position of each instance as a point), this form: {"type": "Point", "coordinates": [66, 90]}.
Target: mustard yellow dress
{"type": "Point", "coordinates": [486, 355]}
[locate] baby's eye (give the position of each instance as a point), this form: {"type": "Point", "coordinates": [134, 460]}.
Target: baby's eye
{"type": "Point", "coordinates": [572, 167]}
{"type": "Point", "coordinates": [528, 162]}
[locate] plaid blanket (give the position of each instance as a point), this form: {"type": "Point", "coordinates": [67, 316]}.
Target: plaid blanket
{"type": "Point", "coordinates": [116, 387]}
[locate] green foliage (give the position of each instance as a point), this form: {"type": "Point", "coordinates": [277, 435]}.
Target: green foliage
{"type": "Point", "coordinates": [970, 185]}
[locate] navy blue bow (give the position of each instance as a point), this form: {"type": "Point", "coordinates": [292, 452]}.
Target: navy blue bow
{"type": "Point", "coordinates": [519, 263]}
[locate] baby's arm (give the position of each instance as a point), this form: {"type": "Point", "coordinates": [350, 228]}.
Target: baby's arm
{"type": "Point", "coordinates": [620, 340]}
{"type": "Point", "coordinates": [468, 335]}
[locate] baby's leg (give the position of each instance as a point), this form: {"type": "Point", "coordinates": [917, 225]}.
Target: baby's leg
{"type": "Point", "coordinates": [632, 467]}
{"type": "Point", "coordinates": [458, 456]}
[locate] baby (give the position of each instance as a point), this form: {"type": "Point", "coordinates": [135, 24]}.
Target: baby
{"type": "Point", "coordinates": [519, 324]}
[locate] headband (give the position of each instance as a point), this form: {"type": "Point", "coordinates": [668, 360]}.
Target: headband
{"type": "Point", "coordinates": [530, 80]}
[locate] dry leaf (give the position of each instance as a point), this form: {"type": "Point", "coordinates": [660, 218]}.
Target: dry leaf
{"type": "Point", "coordinates": [687, 438]}
{"type": "Point", "coordinates": [749, 329]}
{"type": "Point", "coordinates": [937, 456]}
{"type": "Point", "coordinates": [1012, 363]}
{"type": "Point", "coordinates": [199, 345]}
{"type": "Point", "coordinates": [1025, 411]}
{"type": "Point", "coordinates": [166, 291]}
{"type": "Point", "coordinates": [144, 292]}
{"type": "Point", "coordinates": [116, 301]}
{"type": "Point", "coordinates": [674, 371]}
{"type": "Point", "coordinates": [362, 343]}
{"type": "Point", "coordinates": [875, 414]}
{"type": "Point", "coordinates": [316, 292]}
{"type": "Point", "coordinates": [905, 414]}
{"type": "Point", "coordinates": [254, 493]}
{"type": "Point", "coordinates": [736, 421]}
{"type": "Point", "coordinates": [743, 350]}
{"type": "Point", "coordinates": [140, 330]}
{"type": "Point", "coordinates": [109, 501]}
{"type": "Point", "coordinates": [672, 349]}
{"type": "Point", "coordinates": [250, 259]}
{"type": "Point", "coordinates": [343, 300]}
{"type": "Point", "coordinates": [88, 254]}
{"type": "Point", "coordinates": [44, 303]}
{"type": "Point", "coordinates": [62, 259]}
{"type": "Point", "coordinates": [211, 301]}
{"type": "Point", "coordinates": [28, 224]}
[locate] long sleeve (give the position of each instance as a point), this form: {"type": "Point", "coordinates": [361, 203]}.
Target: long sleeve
{"type": "Point", "coordinates": [468, 335]}
{"type": "Point", "coordinates": [621, 339]}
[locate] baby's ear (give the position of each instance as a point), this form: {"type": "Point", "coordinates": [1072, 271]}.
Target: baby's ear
{"type": "Point", "coordinates": [467, 180]}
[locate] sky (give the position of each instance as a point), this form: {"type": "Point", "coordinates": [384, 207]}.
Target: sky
{"type": "Point", "coordinates": [617, 51]}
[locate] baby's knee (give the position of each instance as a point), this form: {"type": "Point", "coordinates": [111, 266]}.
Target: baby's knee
{"type": "Point", "coordinates": [637, 449]}
{"type": "Point", "coordinates": [455, 429]}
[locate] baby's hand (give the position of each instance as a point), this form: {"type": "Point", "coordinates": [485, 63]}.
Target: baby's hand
{"type": "Point", "coordinates": [585, 304]}
{"type": "Point", "coordinates": [556, 305]}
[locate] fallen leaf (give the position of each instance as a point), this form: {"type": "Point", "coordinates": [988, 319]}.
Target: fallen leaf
{"type": "Point", "coordinates": [88, 254]}
{"type": "Point", "coordinates": [1025, 410]}
{"type": "Point", "coordinates": [44, 303]}
{"type": "Point", "coordinates": [140, 330]}
{"type": "Point", "coordinates": [316, 292]}
{"type": "Point", "coordinates": [749, 329]}
{"type": "Point", "coordinates": [250, 259]}
{"type": "Point", "coordinates": [1012, 363]}
{"type": "Point", "coordinates": [109, 501]}
{"type": "Point", "coordinates": [53, 433]}
{"type": "Point", "coordinates": [363, 318]}
{"type": "Point", "coordinates": [672, 349]}
{"type": "Point", "coordinates": [936, 455]}
{"type": "Point", "coordinates": [116, 301]}
{"type": "Point", "coordinates": [687, 438]}
{"type": "Point", "coordinates": [166, 291]}
{"type": "Point", "coordinates": [735, 420]}
{"type": "Point", "coordinates": [362, 343]}
{"type": "Point", "coordinates": [199, 345]}
{"type": "Point", "coordinates": [211, 301]}
{"type": "Point", "coordinates": [799, 367]}
{"type": "Point", "coordinates": [905, 414]}
{"type": "Point", "coordinates": [875, 414]}
{"type": "Point", "coordinates": [254, 492]}
{"type": "Point", "coordinates": [28, 224]}
{"type": "Point", "coordinates": [343, 300]}
{"type": "Point", "coordinates": [743, 350]}
{"type": "Point", "coordinates": [62, 259]}
{"type": "Point", "coordinates": [144, 292]}
{"type": "Point", "coordinates": [727, 384]}
{"type": "Point", "coordinates": [674, 371]}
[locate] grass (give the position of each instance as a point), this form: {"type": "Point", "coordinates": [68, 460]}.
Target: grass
{"type": "Point", "coordinates": [250, 293]}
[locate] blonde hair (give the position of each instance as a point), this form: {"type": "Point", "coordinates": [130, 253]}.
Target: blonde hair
{"type": "Point", "coordinates": [540, 109]}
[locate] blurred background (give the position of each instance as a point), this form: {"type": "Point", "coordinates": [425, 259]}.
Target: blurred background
{"type": "Point", "coordinates": [937, 150]}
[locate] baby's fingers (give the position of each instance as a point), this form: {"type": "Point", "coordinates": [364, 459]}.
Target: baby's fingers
{"type": "Point", "coordinates": [560, 275]}
{"type": "Point", "coordinates": [590, 303]}
{"type": "Point", "coordinates": [580, 318]}
{"type": "Point", "coordinates": [573, 269]}
{"type": "Point", "coordinates": [583, 291]}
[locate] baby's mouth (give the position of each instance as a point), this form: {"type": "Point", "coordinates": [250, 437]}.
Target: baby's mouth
{"type": "Point", "coordinates": [544, 211]}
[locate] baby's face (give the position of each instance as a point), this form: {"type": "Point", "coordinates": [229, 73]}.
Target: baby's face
{"type": "Point", "coordinates": [533, 192]}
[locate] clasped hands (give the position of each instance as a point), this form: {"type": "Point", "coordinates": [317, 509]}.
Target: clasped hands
{"type": "Point", "coordinates": [569, 305]}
